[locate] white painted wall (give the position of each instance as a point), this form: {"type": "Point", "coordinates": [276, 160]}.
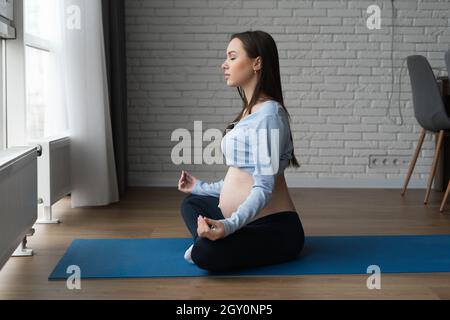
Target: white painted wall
{"type": "Point", "coordinates": [335, 76]}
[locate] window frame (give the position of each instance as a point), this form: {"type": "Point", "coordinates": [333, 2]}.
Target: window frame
{"type": "Point", "coordinates": [3, 124]}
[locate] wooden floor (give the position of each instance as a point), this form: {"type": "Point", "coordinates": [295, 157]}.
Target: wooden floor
{"type": "Point", "coordinates": [154, 212]}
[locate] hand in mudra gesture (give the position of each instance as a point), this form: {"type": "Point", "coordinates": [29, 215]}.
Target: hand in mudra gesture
{"type": "Point", "coordinates": [216, 231]}
{"type": "Point", "coordinates": [186, 182]}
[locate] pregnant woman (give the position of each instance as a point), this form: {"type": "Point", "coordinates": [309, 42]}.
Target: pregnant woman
{"type": "Point", "coordinates": [248, 218]}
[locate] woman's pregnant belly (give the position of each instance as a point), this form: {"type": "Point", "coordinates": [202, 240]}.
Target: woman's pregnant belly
{"type": "Point", "coordinates": [237, 187]}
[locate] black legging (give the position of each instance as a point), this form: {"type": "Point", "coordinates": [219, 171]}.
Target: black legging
{"type": "Point", "coordinates": [272, 239]}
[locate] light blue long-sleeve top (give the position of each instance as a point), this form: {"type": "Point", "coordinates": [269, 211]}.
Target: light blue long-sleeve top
{"type": "Point", "coordinates": [260, 144]}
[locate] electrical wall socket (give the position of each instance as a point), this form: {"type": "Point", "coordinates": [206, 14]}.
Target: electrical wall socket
{"type": "Point", "coordinates": [388, 161]}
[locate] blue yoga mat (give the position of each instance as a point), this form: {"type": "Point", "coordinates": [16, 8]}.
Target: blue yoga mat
{"type": "Point", "coordinates": [163, 257]}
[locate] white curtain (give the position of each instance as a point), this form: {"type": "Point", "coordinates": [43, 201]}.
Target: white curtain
{"type": "Point", "coordinates": [82, 88]}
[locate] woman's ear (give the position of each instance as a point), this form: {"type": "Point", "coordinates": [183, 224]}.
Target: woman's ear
{"type": "Point", "coordinates": [257, 63]}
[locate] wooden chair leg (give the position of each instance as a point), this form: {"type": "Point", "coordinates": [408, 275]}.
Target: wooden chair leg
{"type": "Point", "coordinates": [447, 191]}
{"type": "Point", "coordinates": [414, 159]}
{"type": "Point", "coordinates": [434, 165]}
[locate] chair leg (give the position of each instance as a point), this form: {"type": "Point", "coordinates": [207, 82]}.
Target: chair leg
{"type": "Point", "coordinates": [447, 191]}
{"type": "Point", "coordinates": [414, 159]}
{"type": "Point", "coordinates": [434, 166]}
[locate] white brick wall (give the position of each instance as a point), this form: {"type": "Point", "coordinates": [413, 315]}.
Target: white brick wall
{"type": "Point", "coordinates": [335, 74]}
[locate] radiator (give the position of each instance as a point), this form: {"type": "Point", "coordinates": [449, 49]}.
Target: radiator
{"type": "Point", "coordinates": [18, 197]}
{"type": "Point", "coordinates": [53, 174]}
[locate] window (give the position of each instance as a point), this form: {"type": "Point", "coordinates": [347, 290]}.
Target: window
{"type": "Point", "coordinates": [37, 90]}
{"type": "Point", "coordinates": [45, 114]}
{"type": "Point", "coordinates": [7, 31]}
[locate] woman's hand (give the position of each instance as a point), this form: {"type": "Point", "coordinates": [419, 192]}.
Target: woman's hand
{"type": "Point", "coordinates": [203, 230]}
{"type": "Point", "coordinates": [186, 182]}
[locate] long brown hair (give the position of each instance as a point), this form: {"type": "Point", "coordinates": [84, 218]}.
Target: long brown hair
{"type": "Point", "coordinates": [260, 43]}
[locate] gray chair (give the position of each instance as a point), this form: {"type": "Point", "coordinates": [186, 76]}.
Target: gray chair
{"type": "Point", "coordinates": [429, 111]}
{"type": "Point", "coordinates": [447, 191]}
